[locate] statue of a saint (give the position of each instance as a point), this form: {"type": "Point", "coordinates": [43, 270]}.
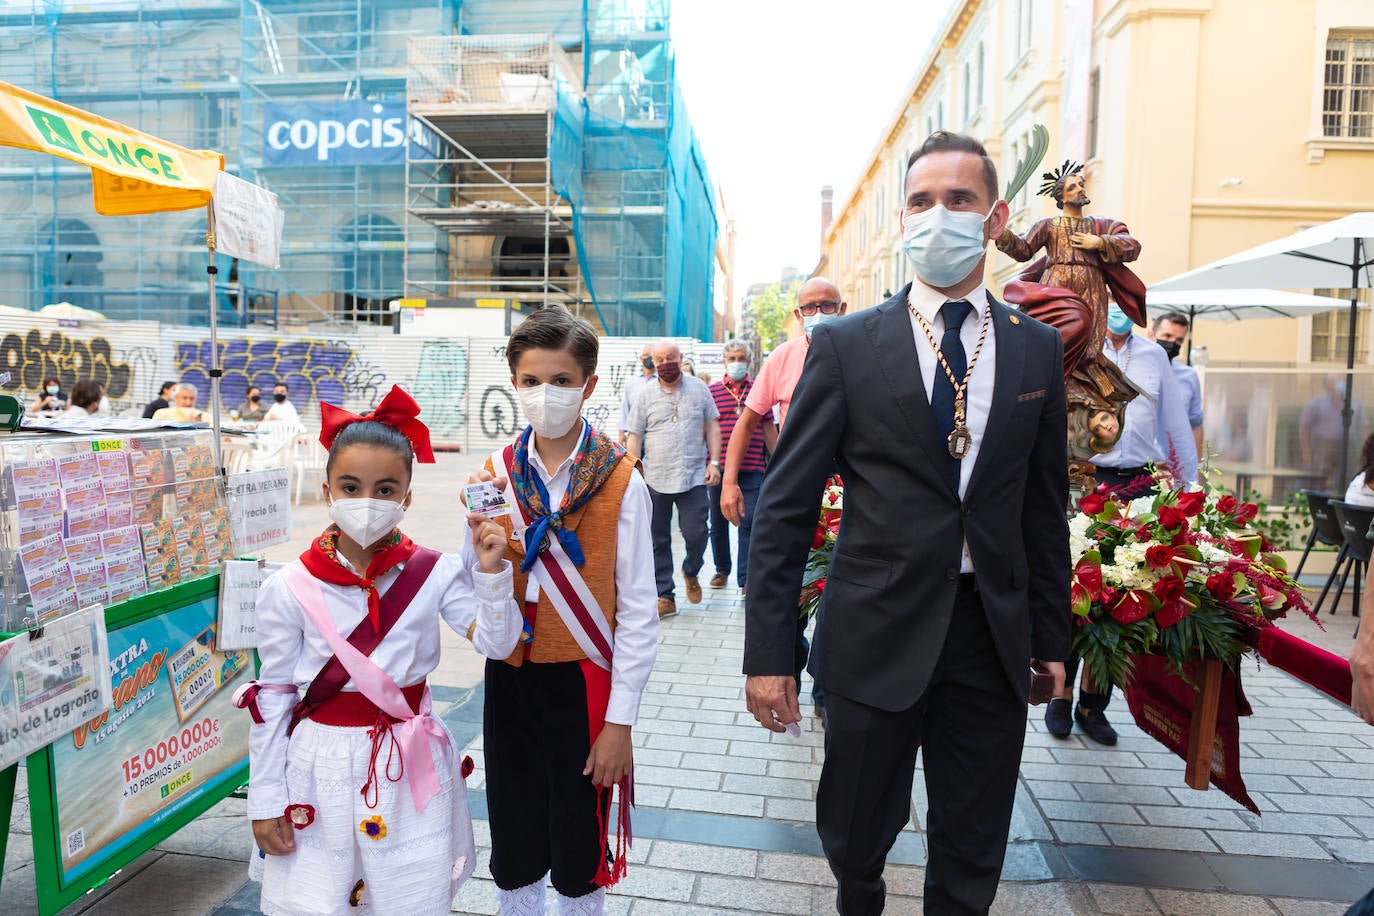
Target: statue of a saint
{"type": "Point", "coordinates": [1069, 287]}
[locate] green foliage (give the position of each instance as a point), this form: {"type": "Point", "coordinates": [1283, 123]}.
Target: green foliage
{"type": "Point", "coordinates": [770, 310]}
{"type": "Point", "coordinates": [1283, 526]}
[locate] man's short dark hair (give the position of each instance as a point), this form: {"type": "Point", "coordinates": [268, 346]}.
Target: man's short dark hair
{"type": "Point", "coordinates": [944, 141]}
{"type": "Point", "coordinates": [555, 328]}
{"type": "Point", "coordinates": [1172, 318]}
{"type": "Point", "coordinates": [276, 385]}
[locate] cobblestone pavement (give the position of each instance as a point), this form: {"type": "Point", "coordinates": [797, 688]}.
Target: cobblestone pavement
{"type": "Point", "coordinates": [726, 818]}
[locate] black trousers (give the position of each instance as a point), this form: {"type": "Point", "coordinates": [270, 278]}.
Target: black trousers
{"type": "Point", "coordinates": [970, 724]}
{"type": "Point", "coordinates": [542, 810]}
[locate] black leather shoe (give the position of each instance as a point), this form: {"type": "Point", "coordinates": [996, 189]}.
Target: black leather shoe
{"type": "Point", "coordinates": [1058, 720]}
{"type": "Point", "coordinates": [1095, 725]}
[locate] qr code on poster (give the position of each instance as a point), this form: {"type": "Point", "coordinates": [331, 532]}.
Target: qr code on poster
{"type": "Point", "coordinates": [76, 841]}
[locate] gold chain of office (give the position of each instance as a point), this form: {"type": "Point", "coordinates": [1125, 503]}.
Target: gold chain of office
{"type": "Point", "coordinates": [960, 440]}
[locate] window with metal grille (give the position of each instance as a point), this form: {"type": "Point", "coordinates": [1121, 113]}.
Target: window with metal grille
{"type": "Point", "coordinates": [1348, 88]}
{"type": "Point", "coordinates": [1331, 331]}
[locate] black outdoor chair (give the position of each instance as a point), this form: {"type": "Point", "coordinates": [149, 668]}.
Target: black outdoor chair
{"type": "Point", "coordinates": [1325, 529]}
{"type": "Point", "coordinates": [1355, 522]}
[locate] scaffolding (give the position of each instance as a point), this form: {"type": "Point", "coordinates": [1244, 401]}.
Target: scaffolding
{"type": "Point", "coordinates": [480, 170]}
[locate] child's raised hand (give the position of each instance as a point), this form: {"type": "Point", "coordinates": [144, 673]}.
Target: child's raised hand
{"type": "Point", "coordinates": [488, 541]}
{"type": "Point", "coordinates": [484, 475]}
{"type": "Point", "coordinates": [274, 836]}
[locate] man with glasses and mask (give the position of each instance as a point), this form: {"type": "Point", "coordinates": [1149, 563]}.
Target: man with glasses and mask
{"type": "Point", "coordinates": [944, 412]}
{"type": "Point", "coordinates": [635, 384]}
{"type": "Point", "coordinates": [1170, 331]}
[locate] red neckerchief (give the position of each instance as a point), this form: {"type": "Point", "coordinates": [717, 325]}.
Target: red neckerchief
{"type": "Point", "coordinates": [321, 560]}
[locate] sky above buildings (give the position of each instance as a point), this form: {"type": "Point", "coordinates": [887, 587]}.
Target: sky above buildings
{"type": "Point", "coordinates": [787, 96]}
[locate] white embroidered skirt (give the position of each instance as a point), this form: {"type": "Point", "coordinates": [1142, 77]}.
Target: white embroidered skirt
{"type": "Point", "coordinates": [408, 863]}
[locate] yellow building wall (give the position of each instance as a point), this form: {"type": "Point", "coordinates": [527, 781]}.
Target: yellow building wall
{"type": "Point", "coordinates": [1209, 138]}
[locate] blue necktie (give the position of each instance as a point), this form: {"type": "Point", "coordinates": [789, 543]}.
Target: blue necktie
{"type": "Point", "coordinates": [942, 395]}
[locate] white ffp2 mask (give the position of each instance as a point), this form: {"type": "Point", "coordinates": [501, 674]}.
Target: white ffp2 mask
{"type": "Point", "coordinates": [366, 521]}
{"type": "Point", "coordinates": [551, 409]}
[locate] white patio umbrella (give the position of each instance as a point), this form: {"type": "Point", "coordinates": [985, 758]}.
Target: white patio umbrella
{"type": "Point", "coordinates": [1335, 254]}
{"type": "Point", "coordinates": [1240, 304]}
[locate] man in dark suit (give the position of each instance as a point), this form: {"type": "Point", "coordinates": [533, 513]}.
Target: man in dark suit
{"type": "Point", "coordinates": [951, 573]}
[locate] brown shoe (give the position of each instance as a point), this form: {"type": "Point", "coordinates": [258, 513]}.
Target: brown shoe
{"type": "Point", "coordinates": [719, 580]}
{"type": "Point", "coordinates": [666, 608]}
{"type": "Point", "coordinates": [693, 589]}
{"type": "Point", "coordinates": [741, 591]}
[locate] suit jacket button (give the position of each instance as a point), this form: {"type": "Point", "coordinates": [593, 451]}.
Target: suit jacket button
{"type": "Point", "coordinates": [966, 509]}
{"type": "Point", "coordinates": [951, 573]}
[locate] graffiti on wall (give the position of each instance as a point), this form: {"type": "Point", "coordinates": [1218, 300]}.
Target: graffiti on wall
{"type": "Point", "coordinates": [32, 358]}
{"type": "Point", "coordinates": [441, 384]}
{"type": "Point", "coordinates": [312, 370]}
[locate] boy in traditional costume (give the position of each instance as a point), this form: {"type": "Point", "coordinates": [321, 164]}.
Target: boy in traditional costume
{"type": "Point", "coordinates": [355, 791]}
{"type": "Point", "coordinates": [559, 709]}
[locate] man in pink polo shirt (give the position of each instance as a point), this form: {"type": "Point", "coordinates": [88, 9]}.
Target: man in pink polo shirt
{"type": "Point", "coordinates": [818, 301]}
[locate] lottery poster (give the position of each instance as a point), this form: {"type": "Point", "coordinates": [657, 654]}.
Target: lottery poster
{"type": "Point", "coordinates": [170, 736]}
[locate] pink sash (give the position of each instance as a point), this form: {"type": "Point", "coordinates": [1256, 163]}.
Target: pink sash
{"type": "Point", "coordinates": [416, 728]}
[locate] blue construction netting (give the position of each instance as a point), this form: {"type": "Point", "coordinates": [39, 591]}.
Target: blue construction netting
{"type": "Point", "coordinates": [625, 157]}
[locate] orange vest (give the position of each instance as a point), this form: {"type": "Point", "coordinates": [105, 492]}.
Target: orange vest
{"type": "Point", "coordinates": [597, 525]}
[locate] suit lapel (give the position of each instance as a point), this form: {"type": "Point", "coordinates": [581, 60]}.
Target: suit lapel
{"type": "Point", "coordinates": [1011, 359]}
{"type": "Point", "coordinates": [891, 336]}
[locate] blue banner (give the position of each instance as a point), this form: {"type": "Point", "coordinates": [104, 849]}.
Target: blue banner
{"type": "Point", "coordinates": [334, 133]}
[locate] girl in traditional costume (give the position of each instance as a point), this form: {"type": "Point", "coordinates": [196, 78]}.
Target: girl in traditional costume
{"type": "Point", "coordinates": [559, 709]}
{"type": "Point", "coordinates": [356, 791]}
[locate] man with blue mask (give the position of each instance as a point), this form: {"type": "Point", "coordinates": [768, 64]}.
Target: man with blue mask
{"type": "Point", "coordinates": [1156, 432]}
{"type": "Point", "coordinates": [944, 412]}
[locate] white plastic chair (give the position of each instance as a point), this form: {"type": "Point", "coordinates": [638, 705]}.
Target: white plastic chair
{"type": "Point", "coordinates": [276, 447]}
{"type": "Point", "coordinates": [309, 463]}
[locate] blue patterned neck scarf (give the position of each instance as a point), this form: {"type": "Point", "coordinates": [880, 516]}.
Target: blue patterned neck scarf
{"type": "Point", "coordinates": [595, 460]}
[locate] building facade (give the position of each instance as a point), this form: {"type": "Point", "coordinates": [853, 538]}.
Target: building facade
{"type": "Point", "coordinates": [470, 153]}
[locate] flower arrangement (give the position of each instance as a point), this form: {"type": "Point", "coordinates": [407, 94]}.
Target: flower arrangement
{"type": "Point", "coordinates": [822, 546]}
{"type": "Point", "coordinates": [1182, 575]}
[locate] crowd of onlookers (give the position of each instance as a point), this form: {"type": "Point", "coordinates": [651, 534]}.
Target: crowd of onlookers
{"type": "Point", "coordinates": [175, 401]}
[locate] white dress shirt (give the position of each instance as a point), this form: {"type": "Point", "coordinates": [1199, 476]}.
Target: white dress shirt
{"type": "Point", "coordinates": [285, 412]}
{"type": "Point", "coordinates": [636, 592]}
{"type": "Point", "coordinates": [978, 397]}
{"type": "Point", "coordinates": [293, 652]}
{"type": "Point", "coordinates": [1156, 421]}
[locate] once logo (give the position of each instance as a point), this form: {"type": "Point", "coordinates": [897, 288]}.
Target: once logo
{"type": "Point", "coordinates": [349, 133]}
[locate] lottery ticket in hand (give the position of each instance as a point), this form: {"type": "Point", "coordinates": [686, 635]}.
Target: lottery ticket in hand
{"type": "Point", "coordinates": [483, 497]}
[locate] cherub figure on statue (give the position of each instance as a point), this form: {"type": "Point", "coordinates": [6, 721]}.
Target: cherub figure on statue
{"type": "Point", "coordinates": [1083, 265]}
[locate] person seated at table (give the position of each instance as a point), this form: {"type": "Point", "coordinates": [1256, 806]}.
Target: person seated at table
{"type": "Point", "coordinates": [283, 411]}
{"type": "Point", "coordinates": [252, 409]}
{"type": "Point", "coordinates": [183, 409]}
{"type": "Point", "coordinates": [163, 400]}
{"type": "Point", "coordinates": [86, 398]}
{"type": "Point", "coordinates": [1360, 492]}
{"type": "Point", "coordinates": [50, 397]}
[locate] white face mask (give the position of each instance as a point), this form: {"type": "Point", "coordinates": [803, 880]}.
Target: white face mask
{"type": "Point", "coordinates": [944, 245]}
{"type": "Point", "coordinates": [551, 409]}
{"type": "Point", "coordinates": [811, 322]}
{"type": "Point", "coordinates": [366, 521]}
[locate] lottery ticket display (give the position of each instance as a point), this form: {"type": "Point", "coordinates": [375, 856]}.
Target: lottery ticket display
{"type": "Point", "coordinates": [91, 520]}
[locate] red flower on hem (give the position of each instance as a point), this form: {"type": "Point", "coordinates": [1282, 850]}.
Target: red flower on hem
{"type": "Point", "coordinates": [468, 767]}
{"type": "Point", "coordinates": [300, 815]}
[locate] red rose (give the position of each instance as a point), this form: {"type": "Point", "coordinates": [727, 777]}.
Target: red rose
{"type": "Point", "coordinates": [1246, 512]}
{"type": "Point", "coordinates": [1133, 606]}
{"type": "Point", "coordinates": [1223, 585]}
{"type": "Point", "coordinates": [1092, 504]}
{"type": "Point", "coordinates": [1170, 613]}
{"type": "Point", "coordinates": [1171, 517]}
{"type": "Point", "coordinates": [1170, 588]}
{"type": "Point", "coordinates": [819, 585]}
{"type": "Point", "coordinates": [1192, 502]}
{"type": "Point", "coordinates": [1227, 504]}
{"type": "Point", "coordinates": [818, 541]}
{"type": "Point", "coordinates": [1159, 556]}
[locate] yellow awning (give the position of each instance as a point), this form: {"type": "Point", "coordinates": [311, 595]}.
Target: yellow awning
{"type": "Point", "coordinates": [132, 172]}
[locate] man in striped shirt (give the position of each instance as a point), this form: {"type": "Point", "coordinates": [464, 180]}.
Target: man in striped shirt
{"type": "Point", "coordinates": [730, 394]}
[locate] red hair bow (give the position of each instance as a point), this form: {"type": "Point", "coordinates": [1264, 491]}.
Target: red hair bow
{"type": "Point", "coordinates": [397, 410]}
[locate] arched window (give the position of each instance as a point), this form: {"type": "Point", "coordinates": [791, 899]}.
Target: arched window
{"type": "Point", "coordinates": [373, 263]}
{"type": "Point", "coordinates": [68, 257]}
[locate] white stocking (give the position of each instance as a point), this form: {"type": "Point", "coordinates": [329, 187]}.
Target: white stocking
{"type": "Point", "coordinates": [523, 901]}
{"type": "Point", "coordinates": [593, 904]}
